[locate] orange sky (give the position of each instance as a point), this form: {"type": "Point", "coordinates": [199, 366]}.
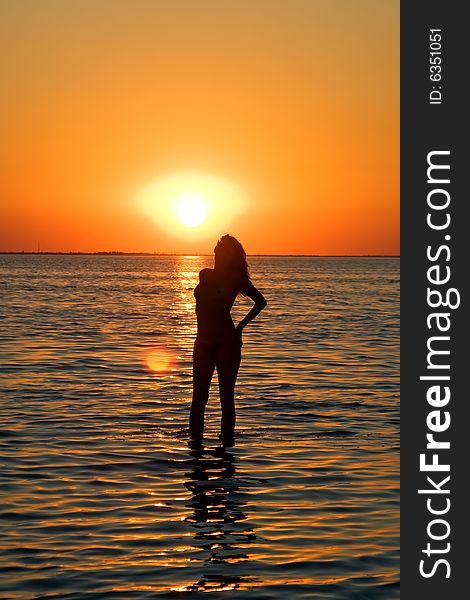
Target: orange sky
{"type": "Point", "coordinates": [296, 103]}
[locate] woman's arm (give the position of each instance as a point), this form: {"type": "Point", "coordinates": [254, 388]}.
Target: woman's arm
{"type": "Point", "coordinates": [260, 303]}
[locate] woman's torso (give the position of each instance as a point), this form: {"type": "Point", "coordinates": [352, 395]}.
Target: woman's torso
{"type": "Point", "coordinates": [215, 295]}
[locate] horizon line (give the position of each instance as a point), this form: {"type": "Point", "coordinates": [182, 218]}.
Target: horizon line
{"type": "Point", "coordinates": [119, 253]}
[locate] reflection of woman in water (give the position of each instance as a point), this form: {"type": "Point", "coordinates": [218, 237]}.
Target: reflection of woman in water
{"type": "Point", "coordinates": [218, 342]}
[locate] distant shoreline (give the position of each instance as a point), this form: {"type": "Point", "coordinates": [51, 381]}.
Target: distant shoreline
{"type": "Point", "coordinates": [26, 252]}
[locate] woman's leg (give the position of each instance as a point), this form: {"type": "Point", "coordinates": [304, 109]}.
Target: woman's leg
{"type": "Point", "coordinates": [203, 369]}
{"type": "Point", "coordinates": [227, 362]}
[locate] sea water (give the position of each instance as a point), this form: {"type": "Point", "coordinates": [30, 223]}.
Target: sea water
{"type": "Point", "coordinates": [101, 494]}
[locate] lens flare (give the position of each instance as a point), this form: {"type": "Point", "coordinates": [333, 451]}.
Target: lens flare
{"type": "Point", "coordinates": [159, 360]}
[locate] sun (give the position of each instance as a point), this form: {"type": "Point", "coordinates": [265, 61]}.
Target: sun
{"type": "Point", "coordinates": [192, 205]}
{"type": "Point", "coordinates": [191, 210]}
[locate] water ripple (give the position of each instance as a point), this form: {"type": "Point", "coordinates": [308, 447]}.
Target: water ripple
{"type": "Point", "coordinates": [102, 494]}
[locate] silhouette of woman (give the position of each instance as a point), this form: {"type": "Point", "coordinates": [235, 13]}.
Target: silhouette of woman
{"type": "Point", "coordinates": [218, 342]}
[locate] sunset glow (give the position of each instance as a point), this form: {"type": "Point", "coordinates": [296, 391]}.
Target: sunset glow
{"type": "Point", "coordinates": [281, 118]}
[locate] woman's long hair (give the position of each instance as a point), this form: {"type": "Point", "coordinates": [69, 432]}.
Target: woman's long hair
{"type": "Point", "coordinates": [231, 258]}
